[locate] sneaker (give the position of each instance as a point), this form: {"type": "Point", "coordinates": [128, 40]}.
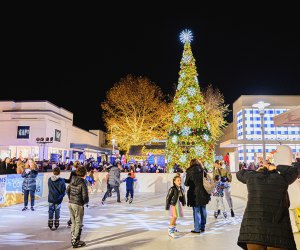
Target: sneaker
{"type": "Point", "coordinates": [195, 232]}
{"type": "Point", "coordinates": [24, 208]}
{"type": "Point", "coordinates": [202, 230]}
{"type": "Point", "coordinates": [176, 230]}
{"type": "Point", "coordinates": [130, 201]}
{"type": "Point", "coordinates": [126, 199]}
{"type": "Point", "coordinates": [32, 209]}
{"type": "Point", "coordinates": [232, 213]}
{"type": "Point", "coordinates": [102, 202]}
{"type": "Point", "coordinates": [225, 215]}
{"type": "Point", "coordinates": [171, 232]}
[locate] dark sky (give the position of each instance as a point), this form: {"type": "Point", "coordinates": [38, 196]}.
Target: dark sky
{"type": "Point", "coordinates": [71, 58]}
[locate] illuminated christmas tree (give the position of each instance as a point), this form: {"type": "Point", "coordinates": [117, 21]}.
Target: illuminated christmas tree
{"type": "Point", "coordinates": [189, 134]}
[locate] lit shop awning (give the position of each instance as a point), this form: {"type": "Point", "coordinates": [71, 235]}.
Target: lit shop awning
{"type": "Point", "coordinates": [289, 118]}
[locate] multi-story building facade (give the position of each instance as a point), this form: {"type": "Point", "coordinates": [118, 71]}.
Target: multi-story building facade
{"type": "Point", "coordinates": [247, 139]}
{"type": "Point", "coordinates": [21, 123]}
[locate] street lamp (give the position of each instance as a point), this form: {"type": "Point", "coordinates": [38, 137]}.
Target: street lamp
{"type": "Point", "coordinates": [113, 141]}
{"type": "Point", "coordinates": [261, 105]}
{"type": "Point", "coordinates": [43, 141]}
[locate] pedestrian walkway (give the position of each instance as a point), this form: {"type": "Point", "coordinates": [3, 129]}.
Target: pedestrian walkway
{"type": "Point", "coordinates": [140, 225]}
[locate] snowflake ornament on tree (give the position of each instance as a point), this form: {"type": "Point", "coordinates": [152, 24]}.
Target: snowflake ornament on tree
{"type": "Point", "coordinates": [174, 139]}
{"type": "Point", "coordinates": [176, 118]}
{"type": "Point", "coordinates": [182, 100]}
{"type": "Point", "coordinates": [186, 59]}
{"type": "Point", "coordinates": [198, 108]}
{"type": "Point", "coordinates": [206, 137]}
{"type": "Point", "coordinates": [182, 158]}
{"type": "Point", "coordinates": [199, 150]}
{"type": "Point", "coordinates": [190, 115]}
{"type": "Point", "coordinates": [179, 86]}
{"type": "Point", "coordinates": [191, 91]}
{"type": "Point", "coordinates": [186, 131]}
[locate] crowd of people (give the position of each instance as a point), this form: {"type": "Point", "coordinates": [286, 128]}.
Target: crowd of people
{"type": "Point", "coordinates": [189, 188]}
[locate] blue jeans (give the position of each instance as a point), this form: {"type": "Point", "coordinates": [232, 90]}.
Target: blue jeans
{"type": "Point", "coordinates": [110, 188]}
{"type": "Point", "coordinates": [54, 209]}
{"type": "Point", "coordinates": [131, 193]}
{"type": "Point", "coordinates": [199, 214]}
{"type": "Point", "coordinates": [26, 194]}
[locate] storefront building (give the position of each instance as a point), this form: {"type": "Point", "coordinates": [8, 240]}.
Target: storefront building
{"type": "Point", "coordinates": [246, 142]}
{"type": "Point", "coordinates": [41, 130]}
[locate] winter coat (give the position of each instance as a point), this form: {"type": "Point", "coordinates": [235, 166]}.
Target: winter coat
{"type": "Point", "coordinates": [29, 182]}
{"type": "Point", "coordinates": [266, 219]}
{"type": "Point", "coordinates": [57, 189]}
{"type": "Point", "coordinates": [223, 173]}
{"type": "Point", "coordinates": [77, 191]}
{"type": "Point", "coordinates": [129, 183]}
{"type": "Point", "coordinates": [114, 177]}
{"type": "Point", "coordinates": [172, 197]}
{"type": "Point", "coordinates": [196, 195]}
{"type": "Point", "coordinates": [73, 173]}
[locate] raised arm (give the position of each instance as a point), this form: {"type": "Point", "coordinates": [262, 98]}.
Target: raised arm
{"type": "Point", "coordinates": [243, 175]}
{"type": "Point", "coordinates": [290, 173]}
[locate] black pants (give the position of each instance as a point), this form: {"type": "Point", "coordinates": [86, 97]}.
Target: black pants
{"type": "Point", "coordinates": [26, 194]}
{"type": "Point", "coordinates": [116, 188]}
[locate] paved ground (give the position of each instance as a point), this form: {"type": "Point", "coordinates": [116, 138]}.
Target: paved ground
{"type": "Point", "coordinates": [140, 225]}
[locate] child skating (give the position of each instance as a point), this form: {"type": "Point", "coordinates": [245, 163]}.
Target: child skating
{"type": "Point", "coordinates": [174, 202]}
{"type": "Point", "coordinates": [129, 187]}
{"type": "Point", "coordinates": [57, 191]}
{"type": "Point", "coordinates": [217, 196]}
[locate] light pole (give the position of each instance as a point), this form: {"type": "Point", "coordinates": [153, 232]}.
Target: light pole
{"type": "Point", "coordinates": [43, 141]}
{"type": "Point", "coordinates": [261, 105]}
{"type": "Point", "coordinates": [113, 141]}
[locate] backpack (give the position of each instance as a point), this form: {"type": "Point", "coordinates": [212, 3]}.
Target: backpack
{"type": "Point", "coordinates": [208, 183]}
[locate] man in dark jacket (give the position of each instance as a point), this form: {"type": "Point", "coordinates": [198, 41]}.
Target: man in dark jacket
{"type": "Point", "coordinates": [266, 221]}
{"type": "Point", "coordinates": [57, 191]}
{"type": "Point", "coordinates": [78, 196]}
{"type": "Point", "coordinates": [197, 197]}
{"type": "Point", "coordinates": [68, 181]}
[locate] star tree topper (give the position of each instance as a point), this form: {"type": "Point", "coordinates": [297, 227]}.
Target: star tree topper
{"type": "Point", "coordinates": [186, 36]}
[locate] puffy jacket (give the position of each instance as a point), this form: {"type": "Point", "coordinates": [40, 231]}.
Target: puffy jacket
{"type": "Point", "coordinates": [77, 191]}
{"type": "Point", "coordinates": [57, 189]}
{"type": "Point", "coordinates": [29, 182]}
{"type": "Point", "coordinates": [172, 197]}
{"type": "Point", "coordinates": [223, 173]}
{"type": "Point", "coordinates": [196, 195]}
{"type": "Point", "coordinates": [266, 220]}
{"type": "Point", "coordinates": [114, 176]}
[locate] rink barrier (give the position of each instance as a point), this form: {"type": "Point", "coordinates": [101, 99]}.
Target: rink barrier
{"type": "Point", "coordinates": [11, 186]}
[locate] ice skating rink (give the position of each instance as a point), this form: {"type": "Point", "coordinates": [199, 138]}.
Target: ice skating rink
{"type": "Point", "coordinates": [140, 225]}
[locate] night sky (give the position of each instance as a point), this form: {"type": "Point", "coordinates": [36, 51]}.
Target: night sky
{"type": "Point", "coordinates": [48, 55]}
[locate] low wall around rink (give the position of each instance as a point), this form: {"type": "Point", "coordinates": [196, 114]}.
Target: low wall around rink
{"type": "Point", "coordinates": [11, 186]}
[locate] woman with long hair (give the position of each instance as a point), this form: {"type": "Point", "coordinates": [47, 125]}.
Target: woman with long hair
{"type": "Point", "coordinates": [29, 183]}
{"type": "Point", "coordinates": [197, 197]}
